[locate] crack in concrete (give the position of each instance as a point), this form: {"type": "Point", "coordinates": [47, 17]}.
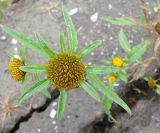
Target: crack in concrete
{"type": "Point", "coordinates": [131, 96]}
{"type": "Point", "coordinates": [40, 109]}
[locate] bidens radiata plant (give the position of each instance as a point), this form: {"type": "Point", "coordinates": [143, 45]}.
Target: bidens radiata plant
{"type": "Point", "coordinates": [152, 26]}
{"type": "Point", "coordinates": [65, 69]}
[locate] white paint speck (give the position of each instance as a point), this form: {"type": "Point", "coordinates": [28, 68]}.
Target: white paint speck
{"type": "Point", "coordinates": [73, 11]}
{"type": "Point", "coordinates": [54, 104]}
{"type": "Point", "coordinates": [110, 38]}
{"type": "Point", "coordinates": [84, 37]}
{"type": "Point", "coordinates": [116, 85]}
{"type": "Point", "coordinates": [89, 63]}
{"type": "Point", "coordinates": [94, 17]}
{"type": "Point", "coordinates": [54, 122]}
{"type": "Point", "coordinates": [53, 113]}
{"type": "Point", "coordinates": [110, 6]}
{"type": "Point", "coordinates": [156, 9]}
{"type": "Point", "coordinates": [56, 128]}
{"type": "Point", "coordinates": [114, 52]}
{"type": "Point", "coordinates": [130, 41]}
{"type": "Point", "coordinates": [14, 41]}
{"type": "Point", "coordinates": [16, 51]}
{"type": "Point", "coordinates": [39, 130]}
{"type": "Point", "coordinates": [102, 53]}
{"type": "Point", "coordinates": [3, 38]}
{"type": "Point", "coordinates": [116, 49]}
{"type": "Point", "coordinates": [109, 26]}
{"type": "Point", "coordinates": [17, 56]}
{"type": "Point", "coordinates": [92, 53]}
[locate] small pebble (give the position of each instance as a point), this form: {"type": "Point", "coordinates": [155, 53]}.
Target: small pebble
{"type": "Point", "coordinates": [109, 26]}
{"type": "Point", "coordinates": [3, 38]}
{"type": "Point", "coordinates": [89, 63]}
{"type": "Point", "coordinates": [52, 113]}
{"type": "Point", "coordinates": [15, 50]}
{"type": "Point", "coordinates": [114, 52]}
{"type": "Point", "coordinates": [92, 53]}
{"type": "Point", "coordinates": [155, 9]}
{"type": "Point", "coordinates": [73, 11]}
{"type": "Point", "coordinates": [14, 41]}
{"type": "Point", "coordinates": [111, 38]}
{"type": "Point", "coordinates": [130, 41]}
{"type": "Point", "coordinates": [53, 122]}
{"type": "Point", "coordinates": [39, 130]}
{"type": "Point", "coordinates": [94, 17]}
{"type": "Point", "coordinates": [116, 85]}
{"type": "Point", "coordinates": [54, 104]}
{"type": "Point", "coordinates": [102, 53]}
{"type": "Point", "coordinates": [110, 6]}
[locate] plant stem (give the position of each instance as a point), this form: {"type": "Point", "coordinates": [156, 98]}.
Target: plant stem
{"type": "Point", "coordinates": [145, 15]}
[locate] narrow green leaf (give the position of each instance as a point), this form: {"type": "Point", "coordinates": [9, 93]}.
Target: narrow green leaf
{"type": "Point", "coordinates": [89, 89]}
{"type": "Point", "coordinates": [94, 81]}
{"type": "Point", "coordinates": [123, 77]}
{"type": "Point", "coordinates": [46, 93]}
{"type": "Point", "coordinates": [72, 34]}
{"type": "Point", "coordinates": [109, 92]}
{"type": "Point", "coordinates": [43, 46]}
{"type": "Point", "coordinates": [22, 90]}
{"type": "Point", "coordinates": [10, 54]}
{"type": "Point", "coordinates": [107, 103]}
{"type": "Point", "coordinates": [22, 53]}
{"type": "Point", "coordinates": [142, 19]}
{"type": "Point", "coordinates": [35, 88]}
{"type": "Point", "coordinates": [124, 41]}
{"type": "Point", "coordinates": [119, 21]}
{"type": "Point", "coordinates": [28, 43]}
{"type": "Point", "coordinates": [86, 50]}
{"type": "Point", "coordinates": [61, 104]}
{"type": "Point", "coordinates": [158, 2]}
{"type": "Point", "coordinates": [40, 68]}
{"type": "Point", "coordinates": [36, 77]}
{"type": "Point", "coordinates": [101, 69]}
{"type": "Point", "coordinates": [158, 89]}
{"type": "Point", "coordinates": [137, 51]}
{"type": "Point", "coordinates": [107, 62]}
{"type": "Point", "coordinates": [62, 42]}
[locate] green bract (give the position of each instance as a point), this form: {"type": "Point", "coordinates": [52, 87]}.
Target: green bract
{"type": "Point", "coordinates": [82, 72]}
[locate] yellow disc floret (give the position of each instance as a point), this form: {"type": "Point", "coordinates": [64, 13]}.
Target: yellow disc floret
{"type": "Point", "coordinates": [117, 61]}
{"type": "Point", "coordinates": [151, 83]}
{"type": "Point", "coordinates": [15, 72]}
{"type": "Point", "coordinates": [111, 78]}
{"type": "Point", "coordinates": [65, 71]}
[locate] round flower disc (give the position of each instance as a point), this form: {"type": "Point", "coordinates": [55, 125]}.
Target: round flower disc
{"type": "Point", "coordinates": [14, 70]}
{"type": "Point", "coordinates": [65, 71]}
{"type": "Point", "coordinates": [117, 61]}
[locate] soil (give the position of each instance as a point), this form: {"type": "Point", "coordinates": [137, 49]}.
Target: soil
{"type": "Point", "coordinates": [82, 114]}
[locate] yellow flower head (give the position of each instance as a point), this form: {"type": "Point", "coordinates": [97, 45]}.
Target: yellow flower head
{"type": "Point", "coordinates": [111, 78]}
{"type": "Point", "coordinates": [151, 83]}
{"type": "Point", "coordinates": [65, 71]}
{"type": "Point", "coordinates": [157, 27]}
{"type": "Point", "coordinates": [15, 72]}
{"type": "Point", "coordinates": [117, 61]}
